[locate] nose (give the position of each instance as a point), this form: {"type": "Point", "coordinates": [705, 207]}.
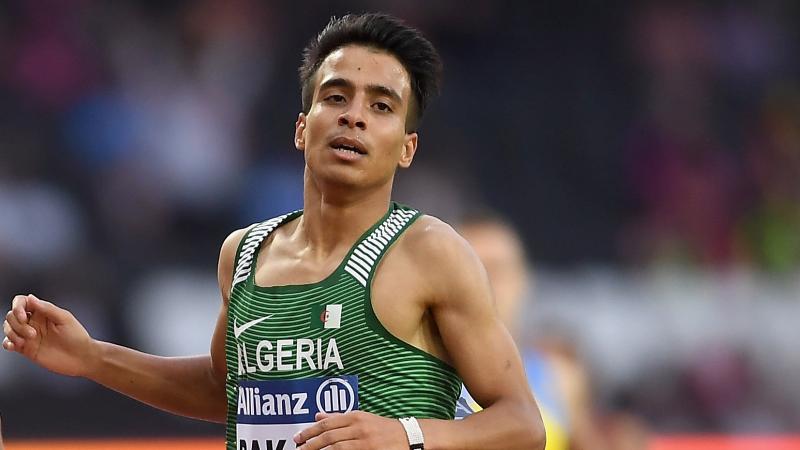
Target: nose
{"type": "Point", "coordinates": [352, 118]}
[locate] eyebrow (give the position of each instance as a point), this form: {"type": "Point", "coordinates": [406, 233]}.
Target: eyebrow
{"type": "Point", "coordinates": [371, 88]}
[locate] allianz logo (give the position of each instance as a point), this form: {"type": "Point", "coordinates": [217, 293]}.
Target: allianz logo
{"type": "Point", "coordinates": [334, 395]}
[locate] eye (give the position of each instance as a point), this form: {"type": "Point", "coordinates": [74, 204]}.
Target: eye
{"type": "Point", "coordinates": [335, 98]}
{"type": "Point", "coordinates": [383, 107]}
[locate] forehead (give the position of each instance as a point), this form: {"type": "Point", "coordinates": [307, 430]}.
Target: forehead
{"type": "Point", "coordinates": [363, 66]}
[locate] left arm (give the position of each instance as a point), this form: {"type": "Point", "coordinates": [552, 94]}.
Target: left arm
{"type": "Point", "coordinates": [482, 351]}
{"type": "Point", "coordinates": [460, 299]}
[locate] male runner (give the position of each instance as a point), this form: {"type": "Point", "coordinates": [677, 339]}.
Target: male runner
{"type": "Point", "coordinates": [556, 376]}
{"type": "Point", "coordinates": [338, 320]}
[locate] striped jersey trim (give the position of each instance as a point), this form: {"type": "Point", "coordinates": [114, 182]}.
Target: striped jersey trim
{"type": "Point", "coordinates": [361, 263]}
{"type": "Point", "coordinates": [252, 242]}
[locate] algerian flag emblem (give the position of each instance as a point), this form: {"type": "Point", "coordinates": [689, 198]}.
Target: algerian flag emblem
{"type": "Point", "coordinates": [326, 316]}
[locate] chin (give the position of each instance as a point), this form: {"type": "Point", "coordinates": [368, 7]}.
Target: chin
{"type": "Point", "coordinates": [344, 177]}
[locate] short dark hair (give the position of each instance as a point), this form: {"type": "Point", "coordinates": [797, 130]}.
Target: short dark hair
{"type": "Point", "coordinates": [382, 32]}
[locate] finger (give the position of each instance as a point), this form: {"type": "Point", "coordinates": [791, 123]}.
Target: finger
{"type": "Point", "coordinates": [340, 445]}
{"type": "Point", "coordinates": [23, 329]}
{"type": "Point", "coordinates": [323, 415]}
{"type": "Point", "coordinates": [321, 426]}
{"type": "Point", "coordinates": [18, 306]}
{"type": "Point", "coordinates": [329, 438]}
{"type": "Point", "coordinates": [8, 345]}
{"type": "Point", "coordinates": [49, 310]}
{"type": "Point", "coordinates": [12, 336]}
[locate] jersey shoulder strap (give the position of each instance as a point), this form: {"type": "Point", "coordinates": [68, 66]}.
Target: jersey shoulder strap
{"type": "Point", "coordinates": [251, 242]}
{"type": "Point", "coordinates": [367, 253]}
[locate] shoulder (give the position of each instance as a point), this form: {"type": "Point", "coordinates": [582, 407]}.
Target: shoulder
{"type": "Point", "coordinates": [260, 229]}
{"type": "Point", "coordinates": [227, 257]}
{"type": "Point", "coordinates": [231, 244]}
{"type": "Point", "coordinates": [444, 258]}
{"type": "Point", "coordinates": [432, 236]}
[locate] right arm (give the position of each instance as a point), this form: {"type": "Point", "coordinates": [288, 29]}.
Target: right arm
{"type": "Point", "coordinates": [189, 386]}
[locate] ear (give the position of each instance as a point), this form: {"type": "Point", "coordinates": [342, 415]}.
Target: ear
{"type": "Point", "coordinates": [409, 149]}
{"type": "Point", "coordinates": [300, 132]}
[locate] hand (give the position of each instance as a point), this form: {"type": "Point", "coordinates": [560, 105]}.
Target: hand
{"type": "Point", "coordinates": [356, 430]}
{"type": "Point", "coordinates": [47, 335]}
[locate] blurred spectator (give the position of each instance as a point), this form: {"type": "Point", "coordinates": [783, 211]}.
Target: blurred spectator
{"type": "Point", "coordinates": [719, 382]}
{"type": "Point", "coordinates": [770, 230]}
{"type": "Point", "coordinates": [685, 181]}
{"type": "Point", "coordinates": [712, 189]}
{"type": "Point", "coordinates": [51, 63]}
{"type": "Point", "coordinates": [556, 373]}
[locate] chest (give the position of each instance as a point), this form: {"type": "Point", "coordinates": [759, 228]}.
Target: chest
{"type": "Point", "coordinates": [395, 293]}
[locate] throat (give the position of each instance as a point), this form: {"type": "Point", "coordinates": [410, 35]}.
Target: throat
{"type": "Point", "coordinates": [328, 229]}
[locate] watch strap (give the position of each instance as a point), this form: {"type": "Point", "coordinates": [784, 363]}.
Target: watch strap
{"type": "Point", "coordinates": [413, 432]}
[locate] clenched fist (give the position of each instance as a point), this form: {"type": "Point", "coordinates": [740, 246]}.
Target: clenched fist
{"type": "Point", "coordinates": [47, 335]}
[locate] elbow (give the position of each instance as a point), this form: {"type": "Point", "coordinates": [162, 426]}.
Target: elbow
{"type": "Point", "coordinates": [535, 436]}
{"type": "Point", "coordinates": [539, 437]}
{"type": "Point", "coordinates": [529, 431]}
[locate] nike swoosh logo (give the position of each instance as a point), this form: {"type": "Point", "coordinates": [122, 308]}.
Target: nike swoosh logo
{"type": "Point", "coordinates": [237, 331]}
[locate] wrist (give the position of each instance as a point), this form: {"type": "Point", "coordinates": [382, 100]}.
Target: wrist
{"type": "Point", "coordinates": [438, 434]}
{"type": "Point", "coordinates": [93, 359]}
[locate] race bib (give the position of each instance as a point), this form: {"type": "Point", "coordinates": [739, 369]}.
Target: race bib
{"type": "Point", "coordinates": [270, 412]}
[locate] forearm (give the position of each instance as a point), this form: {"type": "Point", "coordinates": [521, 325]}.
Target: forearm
{"type": "Point", "coordinates": [503, 426]}
{"type": "Point", "coordinates": [187, 386]}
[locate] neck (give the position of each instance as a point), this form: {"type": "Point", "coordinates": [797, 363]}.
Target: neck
{"type": "Point", "coordinates": [336, 217]}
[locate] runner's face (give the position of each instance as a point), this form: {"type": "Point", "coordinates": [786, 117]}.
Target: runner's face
{"type": "Point", "coordinates": [354, 133]}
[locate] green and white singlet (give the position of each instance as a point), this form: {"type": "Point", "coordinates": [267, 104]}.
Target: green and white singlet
{"type": "Point", "coordinates": [292, 351]}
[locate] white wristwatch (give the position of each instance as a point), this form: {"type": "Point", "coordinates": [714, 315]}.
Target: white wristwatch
{"type": "Point", "coordinates": [413, 432]}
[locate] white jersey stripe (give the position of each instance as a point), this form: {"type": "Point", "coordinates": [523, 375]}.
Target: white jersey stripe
{"type": "Point", "coordinates": [367, 245]}
{"type": "Point", "coordinates": [364, 273]}
{"type": "Point", "coordinates": [356, 275]}
{"type": "Point", "coordinates": [252, 242]}
{"type": "Point", "coordinates": [370, 249]}
{"type": "Point", "coordinates": [356, 260]}
{"type": "Point", "coordinates": [365, 253]}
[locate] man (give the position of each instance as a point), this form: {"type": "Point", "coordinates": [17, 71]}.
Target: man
{"type": "Point", "coordinates": [340, 319]}
{"type": "Point", "coordinates": [555, 372]}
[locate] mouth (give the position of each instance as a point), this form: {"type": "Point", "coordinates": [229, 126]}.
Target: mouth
{"type": "Point", "coordinates": [348, 146]}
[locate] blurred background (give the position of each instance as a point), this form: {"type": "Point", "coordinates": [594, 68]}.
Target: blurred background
{"type": "Point", "coordinates": [647, 152]}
